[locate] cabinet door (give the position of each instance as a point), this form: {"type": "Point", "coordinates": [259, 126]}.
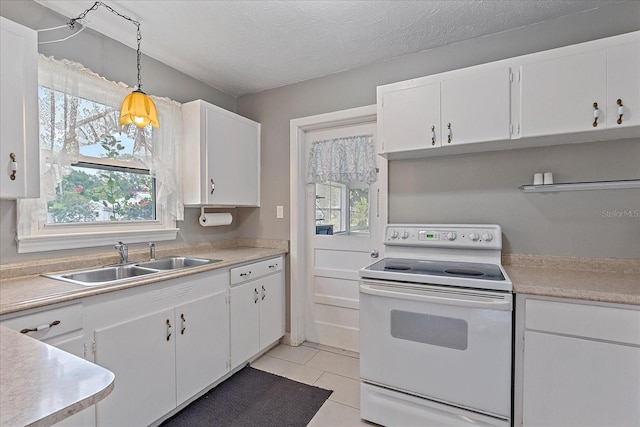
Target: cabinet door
{"type": "Point", "coordinates": [476, 108]}
{"type": "Point", "coordinates": [557, 95]}
{"type": "Point", "coordinates": [271, 309]}
{"type": "Point", "coordinates": [408, 116]}
{"type": "Point", "coordinates": [202, 344]}
{"type": "Point", "coordinates": [87, 416]}
{"type": "Point", "coordinates": [245, 322]}
{"type": "Point", "coordinates": [233, 159]}
{"type": "Point", "coordinates": [578, 382]}
{"type": "Point", "coordinates": [141, 354]}
{"type": "Point", "coordinates": [623, 83]}
{"type": "Point", "coordinates": [19, 111]}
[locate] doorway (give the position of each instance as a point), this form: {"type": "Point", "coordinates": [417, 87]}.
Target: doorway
{"type": "Point", "coordinates": [335, 228]}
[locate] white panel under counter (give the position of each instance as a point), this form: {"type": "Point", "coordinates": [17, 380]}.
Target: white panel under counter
{"type": "Point", "coordinates": [42, 385]}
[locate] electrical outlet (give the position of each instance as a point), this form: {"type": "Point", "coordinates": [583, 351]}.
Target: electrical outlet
{"type": "Point", "coordinates": [279, 212]}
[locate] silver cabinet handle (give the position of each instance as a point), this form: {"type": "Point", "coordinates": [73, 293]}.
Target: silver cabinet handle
{"type": "Point", "coordinates": [169, 329]}
{"type": "Point", "coordinates": [184, 324]}
{"type": "Point", "coordinates": [374, 253]}
{"type": "Point", "coordinates": [40, 328]}
{"type": "Point", "coordinates": [14, 167]}
{"type": "Point", "coordinates": [213, 186]}
{"type": "Point", "coordinates": [255, 301]}
{"type": "Point", "coordinates": [264, 292]}
{"type": "Point", "coordinates": [272, 266]}
{"type": "Point", "coordinates": [247, 274]}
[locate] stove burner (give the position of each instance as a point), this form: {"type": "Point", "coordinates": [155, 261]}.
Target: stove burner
{"type": "Point", "coordinates": [463, 272]}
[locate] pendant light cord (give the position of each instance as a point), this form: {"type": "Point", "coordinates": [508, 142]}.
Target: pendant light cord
{"type": "Point", "coordinates": [95, 6]}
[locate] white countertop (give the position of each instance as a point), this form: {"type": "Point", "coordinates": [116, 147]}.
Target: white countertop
{"type": "Point", "coordinates": [42, 385]}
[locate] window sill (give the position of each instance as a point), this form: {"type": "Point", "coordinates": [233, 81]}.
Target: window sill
{"type": "Point", "coordinates": [55, 242]}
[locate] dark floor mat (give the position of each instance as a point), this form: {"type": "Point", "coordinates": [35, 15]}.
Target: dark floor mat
{"type": "Point", "coordinates": [252, 397]}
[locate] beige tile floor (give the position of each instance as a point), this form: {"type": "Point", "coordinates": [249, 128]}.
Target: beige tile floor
{"type": "Point", "coordinates": [324, 367]}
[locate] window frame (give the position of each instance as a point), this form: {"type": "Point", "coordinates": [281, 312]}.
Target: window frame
{"type": "Point", "coordinates": [39, 236]}
{"type": "Point", "coordinates": [345, 207]}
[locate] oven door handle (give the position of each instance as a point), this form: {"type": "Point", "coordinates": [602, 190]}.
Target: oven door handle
{"type": "Point", "coordinates": [471, 299]}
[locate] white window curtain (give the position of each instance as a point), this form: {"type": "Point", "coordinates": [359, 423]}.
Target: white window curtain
{"type": "Point", "coordinates": [157, 149]}
{"type": "Point", "coordinates": [342, 160]}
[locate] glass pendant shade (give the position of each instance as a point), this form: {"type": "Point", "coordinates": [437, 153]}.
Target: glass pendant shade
{"type": "Point", "coordinates": [139, 109]}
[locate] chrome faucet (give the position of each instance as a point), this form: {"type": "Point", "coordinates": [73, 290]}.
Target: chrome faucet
{"type": "Point", "coordinates": [152, 251]}
{"type": "Point", "coordinates": [123, 252]}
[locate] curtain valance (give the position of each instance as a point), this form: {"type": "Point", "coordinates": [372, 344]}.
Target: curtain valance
{"type": "Point", "coordinates": [342, 160]}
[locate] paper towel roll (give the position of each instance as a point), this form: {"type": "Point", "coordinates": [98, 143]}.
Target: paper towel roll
{"type": "Point", "coordinates": [211, 219]}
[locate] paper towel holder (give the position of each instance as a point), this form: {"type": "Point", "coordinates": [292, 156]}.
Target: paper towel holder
{"type": "Point", "coordinates": [214, 219]}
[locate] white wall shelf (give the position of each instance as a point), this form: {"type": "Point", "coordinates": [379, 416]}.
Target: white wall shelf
{"type": "Point", "coordinates": [580, 186]}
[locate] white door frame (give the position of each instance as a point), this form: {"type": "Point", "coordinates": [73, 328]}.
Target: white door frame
{"type": "Point", "coordinates": [297, 189]}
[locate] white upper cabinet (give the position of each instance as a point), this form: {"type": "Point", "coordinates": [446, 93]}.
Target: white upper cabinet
{"type": "Point", "coordinates": [559, 96]}
{"type": "Point", "coordinates": [575, 90]}
{"type": "Point", "coordinates": [446, 110]}
{"type": "Point", "coordinates": [563, 95]}
{"type": "Point", "coordinates": [19, 150]}
{"type": "Point", "coordinates": [623, 83]}
{"type": "Point", "coordinates": [476, 107]}
{"type": "Point", "coordinates": [410, 118]}
{"type": "Point", "coordinates": [221, 157]}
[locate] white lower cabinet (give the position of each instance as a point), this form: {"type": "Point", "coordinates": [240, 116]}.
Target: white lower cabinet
{"type": "Point", "coordinates": [141, 354]}
{"type": "Point", "coordinates": [578, 365]}
{"type": "Point", "coordinates": [165, 343]}
{"type": "Point", "coordinates": [257, 308]}
{"type": "Point", "coordinates": [202, 344]}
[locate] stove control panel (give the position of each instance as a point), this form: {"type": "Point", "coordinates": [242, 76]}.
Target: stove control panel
{"type": "Point", "coordinates": [444, 235]}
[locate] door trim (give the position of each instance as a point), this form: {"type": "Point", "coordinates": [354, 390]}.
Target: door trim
{"type": "Point", "coordinates": [297, 190]}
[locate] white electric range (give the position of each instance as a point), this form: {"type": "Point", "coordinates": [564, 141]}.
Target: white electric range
{"type": "Point", "coordinates": [436, 328]}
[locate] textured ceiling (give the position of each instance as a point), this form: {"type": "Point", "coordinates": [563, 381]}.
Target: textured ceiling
{"type": "Point", "coordinates": [244, 47]}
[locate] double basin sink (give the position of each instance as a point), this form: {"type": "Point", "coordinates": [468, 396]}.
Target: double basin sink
{"type": "Point", "coordinates": [113, 274]}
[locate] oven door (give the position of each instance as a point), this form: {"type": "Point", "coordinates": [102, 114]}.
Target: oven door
{"type": "Point", "coordinates": [449, 345]}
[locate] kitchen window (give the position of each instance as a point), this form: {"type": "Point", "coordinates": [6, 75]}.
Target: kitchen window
{"type": "Point", "coordinates": [100, 182]}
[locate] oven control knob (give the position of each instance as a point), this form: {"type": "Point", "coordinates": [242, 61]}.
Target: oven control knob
{"type": "Point", "coordinates": [487, 237]}
{"type": "Point", "coordinates": [474, 237]}
{"type": "Point", "coordinates": [405, 235]}
{"type": "Point", "coordinates": [394, 234]}
{"type": "Point", "coordinates": [451, 236]}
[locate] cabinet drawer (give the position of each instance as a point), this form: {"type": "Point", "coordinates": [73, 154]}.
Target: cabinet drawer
{"type": "Point", "coordinates": [70, 318]}
{"type": "Point", "coordinates": [582, 320]}
{"type": "Point", "coordinates": [255, 270]}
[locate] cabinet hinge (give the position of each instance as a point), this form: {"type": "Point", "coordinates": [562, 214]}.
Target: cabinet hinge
{"type": "Point", "coordinates": [523, 343]}
{"type": "Point", "coordinates": [510, 76]}
{"type": "Point", "coordinates": [93, 347]}
{"type": "Point", "coordinates": [84, 350]}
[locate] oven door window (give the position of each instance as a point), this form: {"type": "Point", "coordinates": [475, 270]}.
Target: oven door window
{"type": "Point", "coordinates": [430, 329]}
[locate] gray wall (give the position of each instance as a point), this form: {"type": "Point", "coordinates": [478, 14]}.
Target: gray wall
{"type": "Point", "coordinates": [116, 62]}
{"type": "Point", "coordinates": [570, 224]}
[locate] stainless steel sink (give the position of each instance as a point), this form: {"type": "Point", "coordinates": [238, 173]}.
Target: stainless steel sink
{"type": "Point", "coordinates": [103, 275]}
{"type": "Point", "coordinates": [113, 274]}
{"type": "Point", "coordinates": [176, 262]}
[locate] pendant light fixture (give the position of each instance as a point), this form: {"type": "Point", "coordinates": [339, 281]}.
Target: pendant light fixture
{"type": "Point", "coordinates": [137, 107]}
